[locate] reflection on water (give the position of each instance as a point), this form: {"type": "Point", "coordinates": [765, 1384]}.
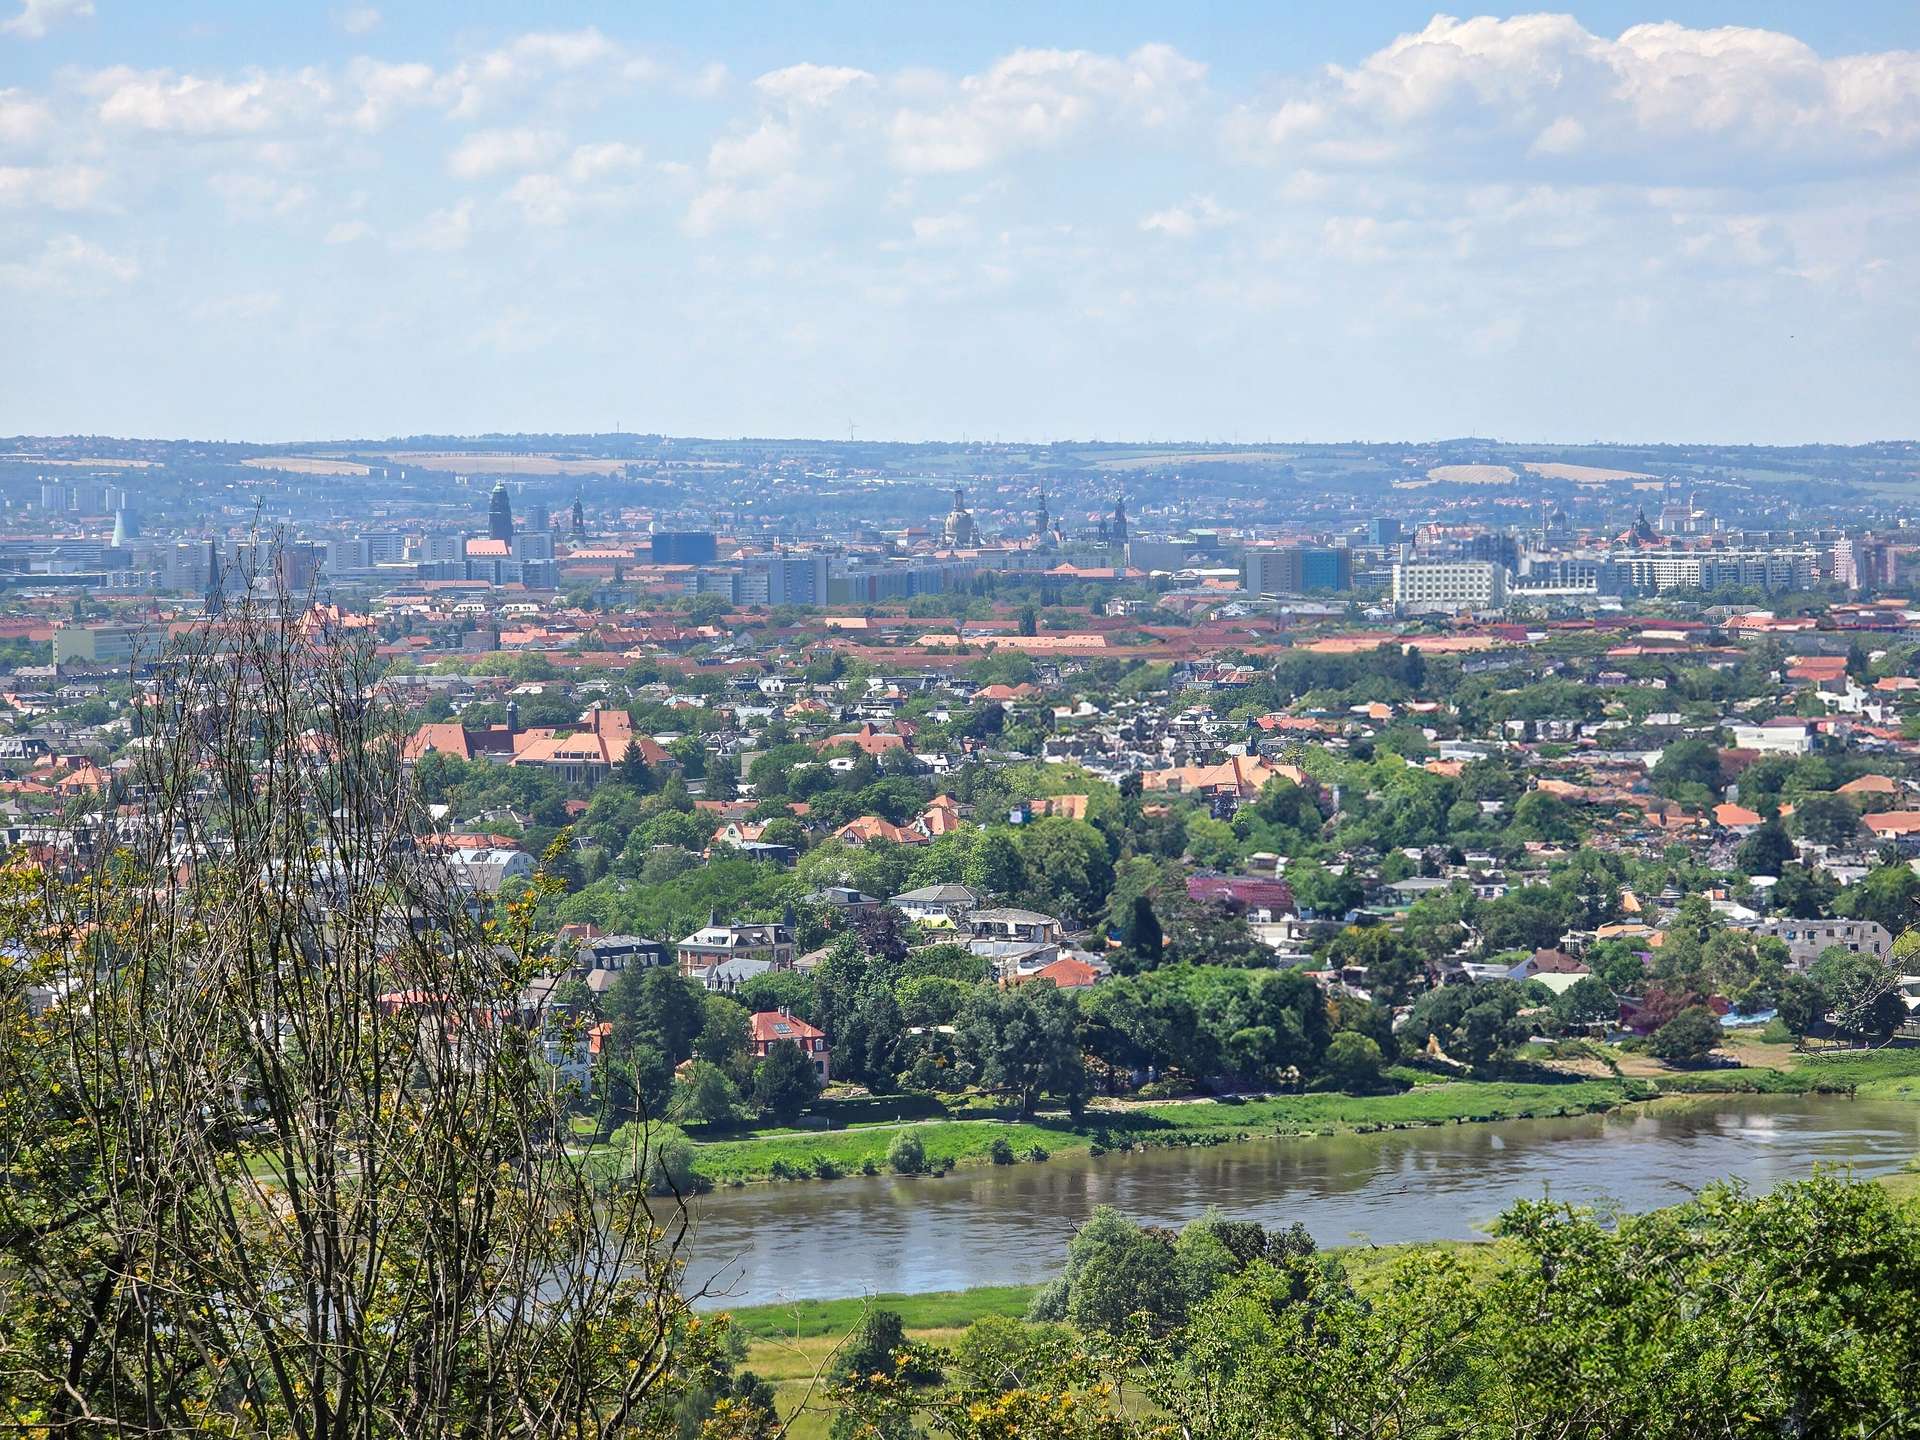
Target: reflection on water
{"type": "Point", "coordinates": [1010, 1224]}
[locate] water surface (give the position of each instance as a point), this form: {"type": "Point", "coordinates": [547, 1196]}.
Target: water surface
{"type": "Point", "coordinates": [1010, 1224]}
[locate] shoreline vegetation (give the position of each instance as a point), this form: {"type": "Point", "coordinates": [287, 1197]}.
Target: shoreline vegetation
{"type": "Point", "coordinates": [791, 1344]}
{"type": "Point", "coordinates": [959, 1139]}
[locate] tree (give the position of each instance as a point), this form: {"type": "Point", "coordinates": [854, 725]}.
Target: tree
{"type": "Point", "coordinates": [878, 1350]}
{"type": "Point", "coordinates": [784, 1082]}
{"type": "Point", "coordinates": [1067, 865]}
{"type": "Point", "coordinates": [634, 771]}
{"type": "Point", "coordinates": [330, 1104]}
{"type": "Point", "coordinates": [1804, 892]}
{"type": "Point", "coordinates": [656, 1006]}
{"type": "Point", "coordinates": [1393, 970]}
{"type": "Point", "coordinates": [1588, 1001]}
{"type": "Point", "coordinates": [1863, 992]}
{"type": "Point", "coordinates": [1142, 937]}
{"type": "Point", "coordinates": [1826, 819]}
{"type": "Point", "coordinates": [1477, 1024]}
{"type": "Point", "coordinates": [1023, 1039]}
{"type": "Point", "coordinates": [1319, 891]}
{"type": "Point", "coordinates": [993, 865]}
{"type": "Point", "coordinates": [1688, 1038]}
{"type": "Point", "coordinates": [703, 1095]}
{"type": "Point", "coordinates": [1803, 1004]}
{"type": "Point", "coordinates": [1889, 894]}
{"type": "Point", "coordinates": [1542, 815]}
{"type": "Point", "coordinates": [1116, 1273]}
{"type": "Point", "coordinates": [1688, 771]}
{"type": "Point", "coordinates": [1353, 1062]}
{"type": "Point", "coordinates": [1767, 851]}
{"type": "Point", "coordinates": [906, 1155]}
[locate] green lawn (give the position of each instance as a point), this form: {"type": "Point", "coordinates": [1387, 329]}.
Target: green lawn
{"type": "Point", "coordinates": [1203, 1122]}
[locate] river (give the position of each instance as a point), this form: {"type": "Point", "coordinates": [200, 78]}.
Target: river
{"type": "Point", "coordinates": [1003, 1225]}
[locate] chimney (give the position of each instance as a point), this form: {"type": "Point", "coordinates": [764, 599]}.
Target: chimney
{"type": "Point", "coordinates": [786, 1012]}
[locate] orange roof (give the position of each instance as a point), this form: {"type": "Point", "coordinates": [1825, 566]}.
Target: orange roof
{"type": "Point", "coordinates": [1870, 785]}
{"type": "Point", "coordinates": [1066, 973]}
{"type": "Point", "coordinates": [488, 549]}
{"type": "Point", "coordinates": [1893, 822]}
{"type": "Point", "coordinates": [1730, 817]}
{"type": "Point", "coordinates": [770, 1025]}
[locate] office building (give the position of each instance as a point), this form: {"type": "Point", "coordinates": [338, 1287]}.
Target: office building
{"type": "Point", "coordinates": [682, 547]}
{"type": "Point", "coordinates": [1449, 585]}
{"type": "Point", "coordinates": [1296, 570]}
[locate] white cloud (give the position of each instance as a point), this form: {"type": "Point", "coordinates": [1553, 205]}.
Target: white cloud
{"type": "Point", "coordinates": [24, 118]}
{"type": "Point", "coordinates": [385, 89]}
{"type": "Point", "coordinates": [770, 150]}
{"type": "Point", "coordinates": [808, 84]}
{"type": "Point", "coordinates": [162, 101]}
{"type": "Point", "coordinates": [66, 264]}
{"type": "Point", "coordinates": [593, 177]}
{"type": "Point", "coordinates": [347, 232]}
{"type": "Point", "coordinates": [1542, 93]}
{"type": "Point", "coordinates": [601, 160]}
{"type": "Point", "coordinates": [243, 307]}
{"type": "Point", "coordinates": [510, 70]}
{"type": "Point", "coordinates": [940, 229]}
{"type": "Point", "coordinates": [1183, 222]}
{"type": "Point", "coordinates": [259, 197]}
{"type": "Point", "coordinates": [1031, 99]}
{"type": "Point", "coordinates": [489, 152]}
{"type": "Point", "coordinates": [37, 17]}
{"type": "Point", "coordinates": [446, 229]}
{"type": "Point", "coordinates": [360, 20]}
{"type": "Point", "coordinates": [52, 187]}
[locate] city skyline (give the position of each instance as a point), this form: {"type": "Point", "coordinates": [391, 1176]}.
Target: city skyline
{"type": "Point", "coordinates": [1126, 226]}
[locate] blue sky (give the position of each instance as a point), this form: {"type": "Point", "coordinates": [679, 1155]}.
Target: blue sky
{"type": "Point", "coordinates": [1040, 221]}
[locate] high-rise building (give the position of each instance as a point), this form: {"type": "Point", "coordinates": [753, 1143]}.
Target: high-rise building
{"type": "Point", "coordinates": [500, 514]}
{"type": "Point", "coordinates": [1846, 565]}
{"type": "Point", "coordinates": [538, 517]}
{"type": "Point", "coordinates": [1383, 532]}
{"type": "Point", "coordinates": [1450, 585]}
{"type": "Point", "coordinates": [1296, 570]}
{"type": "Point", "coordinates": [684, 547]}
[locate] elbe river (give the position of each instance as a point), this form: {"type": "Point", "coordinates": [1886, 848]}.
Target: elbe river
{"type": "Point", "coordinates": [1003, 1225]}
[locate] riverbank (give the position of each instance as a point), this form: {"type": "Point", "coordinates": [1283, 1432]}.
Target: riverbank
{"type": "Point", "coordinates": [947, 1144]}
{"type": "Point", "coordinates": [790, 1346]}
{"type": "Point", "coordinates": [952, 1143]}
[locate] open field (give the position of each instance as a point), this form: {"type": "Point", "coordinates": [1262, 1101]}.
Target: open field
{"type": "Point", "coordinates": [90, 462]}
{"type": "Point", "coordinates": [1199, 457]}
{"type": "Point", "coordinates": [487, 463]}
{"type": "Point", "coordinates": [308, 465]}
{"type": "Point", "coordinates": [1582, 474]}
{"type": "Point", "coordinates": [1472, 474]}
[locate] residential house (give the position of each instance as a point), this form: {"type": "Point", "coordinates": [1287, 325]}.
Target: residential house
{"type": "Point", "coordinates": [938, 902]}
{"type": "Point", "coordinates": [1806, 939]}
{"type": "Point", "coordinates": [774, 1027]}
{"type": "Point", "coordinates": [715, 943]}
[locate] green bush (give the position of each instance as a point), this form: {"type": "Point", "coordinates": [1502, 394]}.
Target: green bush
{"type": "Point", "coordinates": [906, 1155]}
{"type": "Point", "coordinates": [1001, 1150]}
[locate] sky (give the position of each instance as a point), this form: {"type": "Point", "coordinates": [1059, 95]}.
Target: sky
{"type": "Point", "coordinates": [1228, 222]}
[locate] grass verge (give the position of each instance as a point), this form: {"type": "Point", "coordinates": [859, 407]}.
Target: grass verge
{"type": "Point", "coordinates": [1208, 1122]}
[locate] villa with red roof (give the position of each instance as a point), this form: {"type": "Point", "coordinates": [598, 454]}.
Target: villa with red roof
{"type": "Point", "coordinates": [771, 1027]}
